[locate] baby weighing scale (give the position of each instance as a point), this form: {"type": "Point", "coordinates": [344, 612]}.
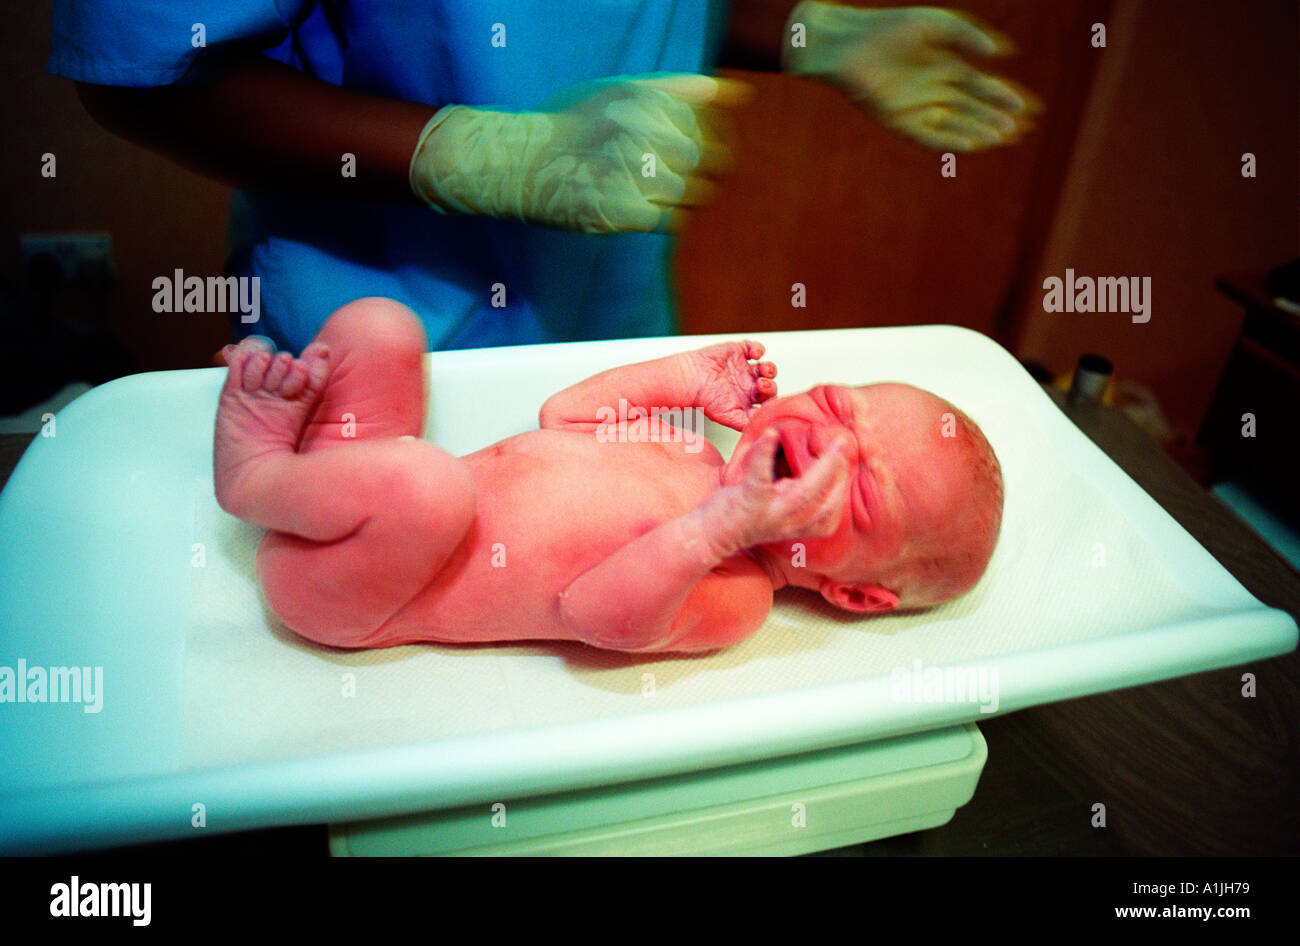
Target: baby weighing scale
{"type": "Point", "coordinates": [823, 729]}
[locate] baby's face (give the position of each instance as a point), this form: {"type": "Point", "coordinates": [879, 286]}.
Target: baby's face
{"type": "Point", "coordinates": [905, 480]}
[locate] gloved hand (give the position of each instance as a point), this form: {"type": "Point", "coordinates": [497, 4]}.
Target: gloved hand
{"type": "Point", "coordinates": [901, 66]}
{"type": "Point", "coordinates": [579, 161]}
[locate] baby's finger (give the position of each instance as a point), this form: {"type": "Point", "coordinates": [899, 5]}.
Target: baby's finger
{"type": "Point", "coordinates": [829, 510]}
{"type": "Point", "coordinates": [827, 517]}
{"type": "Point", "coordinates": [826, 474]}
{"type": "Point", "coordinates": [753, 350]}
{"type": "Point", "coordinates": [763, 458]}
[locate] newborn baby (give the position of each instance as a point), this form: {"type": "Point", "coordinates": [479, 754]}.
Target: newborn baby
{"type": "Point", "coordinates": [878, 497]}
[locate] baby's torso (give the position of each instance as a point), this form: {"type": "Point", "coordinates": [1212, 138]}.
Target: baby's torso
{"type": "Point", "coordinates": [551, 504]}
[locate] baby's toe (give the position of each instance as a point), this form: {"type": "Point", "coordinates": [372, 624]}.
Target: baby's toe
{"type": "Point", "coordinates": [235, 358]}
{"type": "Point", "coordinates": [281, 364]}
{"type": "Point", "coordinates": [313, 351]}
{"type": "Point", "coordinates": [316, 359]}
{"type": "Point", "coordinates": [294, 381]}
{"type": "Point", "coordinates": [256, 344]}
{"type": "Point", "coordinates": [255, 368]}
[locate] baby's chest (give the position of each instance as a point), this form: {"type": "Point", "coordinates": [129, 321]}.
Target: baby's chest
{"type": "Point", "coordinates": [565, 467]}
{"type": "Point", "coordinates": [589, 498]}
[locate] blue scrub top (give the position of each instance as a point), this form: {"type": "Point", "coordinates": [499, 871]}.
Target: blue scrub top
{"type": "Point", "coordinates": [315, 257]}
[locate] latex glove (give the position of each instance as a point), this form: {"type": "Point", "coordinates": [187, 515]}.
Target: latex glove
{"type": "Point", "coordinates": [902, 67]}
{"type": "Point", "coordinates": [579, 161]}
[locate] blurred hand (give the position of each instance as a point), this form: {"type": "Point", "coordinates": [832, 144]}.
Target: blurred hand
{"type": "Point", "coordinates": [904, 68]}
{"type": "Point", "coordinates": [600, 157]}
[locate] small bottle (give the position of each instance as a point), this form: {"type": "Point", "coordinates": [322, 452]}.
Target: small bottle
{"type": "Point", "coordinates": [1091, 376]}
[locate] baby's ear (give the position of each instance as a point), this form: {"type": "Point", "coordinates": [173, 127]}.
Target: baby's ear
{"type": "Point", "coordinates": [861, 597]}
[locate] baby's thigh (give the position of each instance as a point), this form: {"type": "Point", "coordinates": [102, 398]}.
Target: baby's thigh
{"type": "Point", "coordinates": [420, 503]}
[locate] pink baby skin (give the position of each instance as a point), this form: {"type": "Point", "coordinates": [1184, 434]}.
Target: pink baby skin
{"type": "Point", "coordinates": [877, 497]}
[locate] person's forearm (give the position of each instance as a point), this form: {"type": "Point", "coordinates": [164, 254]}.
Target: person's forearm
{"type": "Point", "coordinates": [662, 383]}
{"type": "Point", "coordinates": [755, 34]}
{"type": "Point", "coordinates": [631, 600]}
{"type": "Point", "coordinates": [263, 125]}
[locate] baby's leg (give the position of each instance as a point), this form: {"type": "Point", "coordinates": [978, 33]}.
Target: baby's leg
{"type": "Point", "coordinates": [354, 533]}
{"type": "Point", "coordinates": [402, 507]}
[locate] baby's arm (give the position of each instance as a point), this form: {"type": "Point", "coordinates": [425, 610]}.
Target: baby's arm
{"type": "Point", "coordinates": [719, 379]}
{"type": "Point", "coordinates": [655, 591]}
{"type": "Point", "coordinates": [661, 588]}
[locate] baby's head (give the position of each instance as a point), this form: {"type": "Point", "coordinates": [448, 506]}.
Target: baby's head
{"type": "Point", "coordinates": [925, 494]}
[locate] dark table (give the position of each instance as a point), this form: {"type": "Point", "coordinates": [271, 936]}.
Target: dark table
{"type": "Point", "coordinates": [1184, 767]}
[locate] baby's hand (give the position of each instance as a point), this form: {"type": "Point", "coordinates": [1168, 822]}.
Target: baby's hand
{"type": "Point", "coordinates": [768, 509]}
{"type": "Point", "coordinates": [729, 388]}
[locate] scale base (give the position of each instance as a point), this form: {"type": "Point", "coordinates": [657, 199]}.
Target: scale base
{"type": "Point", "coordinates": [794, 805]}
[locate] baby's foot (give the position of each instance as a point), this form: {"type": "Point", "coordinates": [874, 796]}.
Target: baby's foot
{"type": "Point", "coordinates": [731, 388]}
{"type": "Point", "coordinates": [264, 405]}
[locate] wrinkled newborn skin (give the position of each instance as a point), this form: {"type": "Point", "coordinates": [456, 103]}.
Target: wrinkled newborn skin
{"type": "Point", "coordinates": [877, 497]}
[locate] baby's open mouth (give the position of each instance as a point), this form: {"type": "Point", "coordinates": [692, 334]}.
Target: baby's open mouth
{"type": "Point", "coordinates": [780, 465]}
